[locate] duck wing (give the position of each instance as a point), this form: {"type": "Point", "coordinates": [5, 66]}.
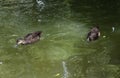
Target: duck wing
{"type": "Point", "coordinates": [36, 34]}
{"type": "Point", "coordinates": [31, 36]}
{"type": "Point", "coordinates": [28, 36]}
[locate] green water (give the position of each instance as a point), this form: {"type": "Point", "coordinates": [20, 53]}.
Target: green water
{"type": "Point", "coordinates": [62, 51]}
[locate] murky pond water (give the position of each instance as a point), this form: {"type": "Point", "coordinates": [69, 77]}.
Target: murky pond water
{"type": "Point", "coordinates": [62, 51]}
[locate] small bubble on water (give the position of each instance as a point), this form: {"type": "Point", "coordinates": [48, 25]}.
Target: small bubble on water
{"type": "Point", "coordinates": [104, 36]}
{"type": "Point", "coordinates": [39, 20]}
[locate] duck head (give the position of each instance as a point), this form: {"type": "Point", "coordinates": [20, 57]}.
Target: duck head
{"type": "Point", "coordinates": [20, 41]}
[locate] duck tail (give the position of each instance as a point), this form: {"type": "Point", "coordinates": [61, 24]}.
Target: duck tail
{"type": "Point", "coordinates": [38, 32]}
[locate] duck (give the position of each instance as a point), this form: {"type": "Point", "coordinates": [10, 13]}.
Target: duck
{"type": "Point", "coordinates": [29, 38]}
{"type": "Point", "coordinates": [93, 34]}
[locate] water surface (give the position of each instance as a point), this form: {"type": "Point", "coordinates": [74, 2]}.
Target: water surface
{"type": "Point", "coordinates": [62, 51]}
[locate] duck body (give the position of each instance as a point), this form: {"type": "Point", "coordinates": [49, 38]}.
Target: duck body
{"type": "Point", "coordinates": [29, 38]}
{"type": "Point", "coordinates": [94, 34]}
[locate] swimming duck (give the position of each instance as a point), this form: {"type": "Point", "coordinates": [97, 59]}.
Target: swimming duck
{"type": "Point", "coordinates": [94, 34]}
{"type": "Point", "coordinates": [29, 38]}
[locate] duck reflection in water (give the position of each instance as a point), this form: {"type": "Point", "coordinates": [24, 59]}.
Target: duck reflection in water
{"type": "Point", "coordinates": [94, 34]}
{"type": "Point", "coordinates": [29, 38]}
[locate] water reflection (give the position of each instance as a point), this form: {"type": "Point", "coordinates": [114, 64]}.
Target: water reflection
{"type": "Point", "coordinates": [100, 12]}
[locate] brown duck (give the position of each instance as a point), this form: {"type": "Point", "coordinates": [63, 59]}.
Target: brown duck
{"type": "Point", "coordinates": [94, 34]}
{"type": "Point", "coordinates": [29, 38]}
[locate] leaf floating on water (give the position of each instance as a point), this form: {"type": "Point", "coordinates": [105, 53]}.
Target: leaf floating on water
{"type": "Point", "coordinates": [58, 74]}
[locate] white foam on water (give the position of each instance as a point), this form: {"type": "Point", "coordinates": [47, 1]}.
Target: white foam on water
{"type": "Point", "coordinates": [42, 38]}
{"type": "Point", "coordinates": [41, 4]}
{"type": "Point", "coordinates": [113, 29]}
{"type": "Point", "coordinates": [14, 35]}
{"type": "Point", "coordinates": [15, 46]}
{"type": "Point", "coordinates": [65, 70]}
